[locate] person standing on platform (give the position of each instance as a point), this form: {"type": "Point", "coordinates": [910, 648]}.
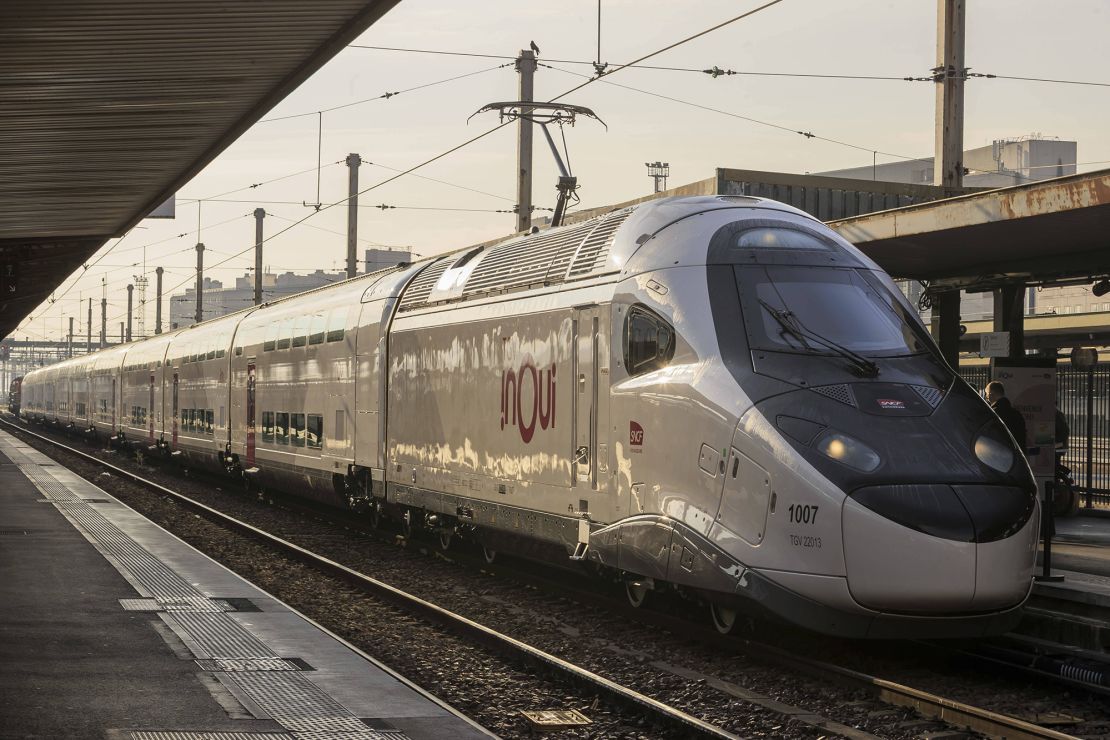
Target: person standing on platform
{"type": "Point", "coordinates": [1011, 417]}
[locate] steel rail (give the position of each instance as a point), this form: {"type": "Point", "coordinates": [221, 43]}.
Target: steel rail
{"type": "Point", "coordinates": [674, 718]}
{"type": "Point", "coordinates": [958, 714]}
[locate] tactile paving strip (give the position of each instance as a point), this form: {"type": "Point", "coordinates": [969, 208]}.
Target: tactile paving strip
{"type": "Point", "coordinates": [230, 665]}
{"type": "Point", "coordinates": [296, 703]}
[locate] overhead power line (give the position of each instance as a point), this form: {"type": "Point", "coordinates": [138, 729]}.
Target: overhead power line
{"type": "Point", "coordinates": [487, 132]}
{"type": "Point", "coordinates": [385, 95]}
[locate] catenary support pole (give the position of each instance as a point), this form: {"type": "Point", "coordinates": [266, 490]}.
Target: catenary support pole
{"type": "Point", "coordinates": [353, 161]}
{"type": "Point", "coordinates": [88, 330]}
{"type": "Point", "coordinates": [69, 343]}
{"type": "Point", "coordinates": [103, 322]}
{"type": "Point", "coordinates": [200, 283]}
{"type": "Point", "coordinates": [949, 74]}
{"type": "Point", "coordinates": [158, 305]}
{"type": "Point", "coordinates": [130, 294]}
{"type": "Point", "coordinates": [259, 215]}
{"type": "Point", "coordinates": [526, 66]}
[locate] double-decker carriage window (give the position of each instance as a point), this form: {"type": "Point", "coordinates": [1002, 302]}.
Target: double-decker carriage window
{"type": "Point", "coordinates": [648, 341]}
{"type": "Point", "coordinates": [315, 431]}
{"type": "Point", "coordinates": [296, 429]}
{"type": "Point", "coordinates": [211, 354]}
{"type": "Point", "coordinates": [80, 406]}
{"type": "Point", "coordinates": [317, 328]}
{"type": "Point", "coordinates": [281, 428]}
{"type": "Point", "coordinates": [300, 331]}
{"type": "Point", "coordinates": [285, 330]}
{"type": "Point", "coordinates": [267, 426]}
{"type": "Point", "coordinates": [271, 337]}
{"type": "Point", "coordinates": [209, 418]}
{"type": "Point", "coordinates": [337, 324]}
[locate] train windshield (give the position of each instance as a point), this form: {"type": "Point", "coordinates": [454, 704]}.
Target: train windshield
{"type": "Point", "coordinates": [787, 308]}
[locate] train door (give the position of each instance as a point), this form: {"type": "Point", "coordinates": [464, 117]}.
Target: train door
{"type": "Point", "coordinates": [585, 332]}
{"type": "Point", "coordinates": [150, 410]}
{"type": "Point", "coordinates": [173, 417]}
{"type": "Point", "coordinates": [250, 414]}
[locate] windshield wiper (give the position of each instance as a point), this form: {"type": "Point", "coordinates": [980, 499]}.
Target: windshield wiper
{"type": "Point", "coordinates": [790, 323]}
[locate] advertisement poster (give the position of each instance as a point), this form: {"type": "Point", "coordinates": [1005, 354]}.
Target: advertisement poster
{"type": "Point", "coordinates": [1031, 387]}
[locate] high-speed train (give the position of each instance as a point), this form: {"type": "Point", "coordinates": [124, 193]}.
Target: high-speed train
{"type": "Point", "coordinates": [716, 395]}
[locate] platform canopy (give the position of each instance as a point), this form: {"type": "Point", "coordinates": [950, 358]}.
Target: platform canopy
{"type": "Point", "coordinates": [1049, 230]}
{"type": "Point", "coordinates": [107, 107]}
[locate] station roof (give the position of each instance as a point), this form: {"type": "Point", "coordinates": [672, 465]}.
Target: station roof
{"type": "Point", "coordinates": [1042, 231]}
{"type": "Point", "coordinates": [111, 106]}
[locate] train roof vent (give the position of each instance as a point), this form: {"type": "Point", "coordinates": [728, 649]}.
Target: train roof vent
{"type": "Point", "coordinates": [594, 250]}
{"type": "Point", "coordinates": [421, 286]}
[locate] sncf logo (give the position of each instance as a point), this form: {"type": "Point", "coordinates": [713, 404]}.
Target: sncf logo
{"type": "Point", "coordinates": [635, 434]}
{"type": "Point", "coordinates": [528, 398]}
{"type": "Point", "coordinates": [891, 403]}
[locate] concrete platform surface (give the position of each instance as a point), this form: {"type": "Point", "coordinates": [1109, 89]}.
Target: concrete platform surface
{"type": "Point", "coordinates": [112, 627]}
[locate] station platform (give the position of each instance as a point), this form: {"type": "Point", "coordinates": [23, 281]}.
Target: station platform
{"type": "Point", "coordinates": [112, 627]}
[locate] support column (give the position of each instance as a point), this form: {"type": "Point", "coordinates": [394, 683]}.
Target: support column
{"type": "Point", "coordinates": [88, 328]}
{"type": "Point", "coordinates": [259, 215]}
{"type": "Point", "coordinates": [526, 66]}
{"type": "Point", "coordinates": [103, 322]}
{"type": "Point", "coordinates": [353, 161]}
{"type": "Point", "coordinates": [948, 166]}
{"type": "Point", "coordinates": [69, 344]}
{"type": "Point", "coordinates": [946, 319]}
{"type": "Point", "coordinates": [200, 283]}
{"type": "Point", "coordinates": [1009, 315]}
{"type": "Point", "coordinates": [130, 293]}
{"type": "Point", "coordinates": [158, 306]}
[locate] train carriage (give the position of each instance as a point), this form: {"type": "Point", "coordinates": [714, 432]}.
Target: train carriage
{"type": "Point", "coordinates": [717, 395]}
{"type": "Point", "coordinates": [142, 384]}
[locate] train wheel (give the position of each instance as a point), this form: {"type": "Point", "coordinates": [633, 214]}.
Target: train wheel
{"type": "Point", "coordinates": [445, 537]}
{"type": "Point", "coordinates": [724, 619]}
{"type": "Point", "coordinates": [637, 592]}
{"type": "Point", "coordinates": [489, 555]}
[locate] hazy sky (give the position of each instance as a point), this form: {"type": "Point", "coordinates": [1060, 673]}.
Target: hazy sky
{"type": "Point", "coordinates": [1061, 40]}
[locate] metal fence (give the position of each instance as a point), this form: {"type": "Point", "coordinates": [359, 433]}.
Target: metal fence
{"type": "Point", "coordinates": [1084, 398]}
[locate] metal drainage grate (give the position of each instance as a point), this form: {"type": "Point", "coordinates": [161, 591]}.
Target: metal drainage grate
{"type": "Point", "coordinates": [170, 735]}
{"type": "Point", "coordinates": [230, 665]}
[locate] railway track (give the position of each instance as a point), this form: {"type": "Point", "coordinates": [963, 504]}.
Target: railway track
{"type": "Point", "coordinates": [927, 704]}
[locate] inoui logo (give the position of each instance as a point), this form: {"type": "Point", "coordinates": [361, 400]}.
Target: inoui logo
{"type": "Point", "coordinates": [526, 412]}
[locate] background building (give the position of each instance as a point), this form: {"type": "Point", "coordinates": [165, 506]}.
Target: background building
{"type": "Point", "coordinates": [1004, 163]}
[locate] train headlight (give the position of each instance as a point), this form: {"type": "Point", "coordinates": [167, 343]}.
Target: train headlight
{"type": "Point", "coordinates": [994, 454]}
{"type": "Point", "coordinates": [848, 451]}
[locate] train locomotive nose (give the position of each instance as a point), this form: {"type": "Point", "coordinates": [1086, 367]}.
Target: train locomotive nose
{"type": "Point", "coordinates": [925, 548]}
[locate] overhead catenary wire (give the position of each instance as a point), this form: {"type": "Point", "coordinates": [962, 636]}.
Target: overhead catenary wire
{"type": "Point", "coordinates": [384, 96]}
{"type": "Point", "coordinates": [498, 127]}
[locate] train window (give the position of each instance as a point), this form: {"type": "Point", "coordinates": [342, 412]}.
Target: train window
{"type": "Point", "coordinates": [220, 352]}
{"type": "Point", "coordinates": [271, 337]}
{"type": "Point", "coordinates": [337, 324]}
{"type": "Point", "coordinates": [209, 418]}
{"type": "Point", "coordinates": [340, 425]}
{"type": "Point", "coordinates": [315, 431]}
{"type": "Point", "coordinates": [648, 341]}
{"type": "Point", "coordinates": [317, 328]}
{"type": "Point", "coordinates": [281, 428]}
{"type": "Point", "coordinates": [210, 354]}
{"type": "Point", "coordinates": [267, 426]}
{"type": "Point", "coordinates": [186, 420]}
{"type": "Point", "coordinates": [285, 329]}
{"type": "Point", "coordinates": [296, 429]}
{"type": "Point", "coordinates": [80, 408]}
{"type": "Point", "coordinates": [104, 407]}
{"type": "Point", "coordinates": [300, 331]}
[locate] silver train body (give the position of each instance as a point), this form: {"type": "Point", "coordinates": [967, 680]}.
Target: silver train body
{"type": "Point", "coordinates": [716, 394]}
